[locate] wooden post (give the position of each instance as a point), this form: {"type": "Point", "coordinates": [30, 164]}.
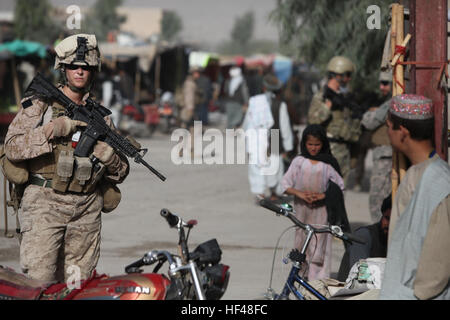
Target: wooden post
{"type": "Point", "coordinates": [17, 96]}
{"type": "Point", "coordinates": [398, 83]}
{"type": "Point", "coordinates": [137, 83]}
{"type": "Point", "coordinates": [395, 158]}
{"type": "Point", "coordinates": [399, 73]}
{"type": "Point", "coordinates": [15, 82]}
{"type": "Point", "coordinates": [157, 77]}
{"type": "Point", "coordinates": [393, 41]}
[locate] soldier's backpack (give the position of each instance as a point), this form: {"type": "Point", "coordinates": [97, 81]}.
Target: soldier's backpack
{"type": "Point", "coordinates": [16, 174]}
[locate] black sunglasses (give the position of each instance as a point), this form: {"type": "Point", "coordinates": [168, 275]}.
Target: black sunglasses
{"type": "Point", "coordinates": [75, 67]}
{"type": "Point", "coordinates": [384, 83]}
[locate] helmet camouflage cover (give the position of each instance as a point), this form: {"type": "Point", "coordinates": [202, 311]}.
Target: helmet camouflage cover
{"type": "Point", "coordinates": [385, 76]}
{"type": "Point", "coordinates": [340, 65]}
{"type": "Point", "coordinates": [79, 49]}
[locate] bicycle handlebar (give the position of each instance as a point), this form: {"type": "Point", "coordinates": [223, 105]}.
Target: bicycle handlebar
{"type": "Point", "coordinates": [334, 230]}
{"type": "Point", "coordinates": [352, 238]}
{"type": "Point", "coordinates": [271, 206]}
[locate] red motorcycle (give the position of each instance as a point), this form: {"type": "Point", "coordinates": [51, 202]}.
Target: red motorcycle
{"type": "Point", "coordinates": [196, 275]}
{"type": "Point", "coordinates": [133, 120]}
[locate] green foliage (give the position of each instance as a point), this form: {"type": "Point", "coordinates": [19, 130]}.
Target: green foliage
{"type": "Point", "coordinates": [242, 31]}
{"type": "Point", "coordinates": [103, 18]}
{"type": "Point", "coordinates": [322, 29]}
{"type": "Point", "coordinates": [253, 47]}
{"type": "Point", "coordinates": [241, 41]}
{"type": "Point", "coordinates": [32, 21]}
{"type": "Point", "coordinates": [171, 25]}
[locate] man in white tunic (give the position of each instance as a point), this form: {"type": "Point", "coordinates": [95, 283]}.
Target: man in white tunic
{"type": "Point", "coordinates": [269, 138]}
{"type": "Point", "coordinates": [418, 258]}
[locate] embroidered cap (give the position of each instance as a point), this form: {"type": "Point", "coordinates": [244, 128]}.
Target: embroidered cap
{"type": "Point", "coordinates": [271, 82]}
{"type": "Point", "coordinates": [412, 106]}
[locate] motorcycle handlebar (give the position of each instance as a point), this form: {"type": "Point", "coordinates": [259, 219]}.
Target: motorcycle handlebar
{"type": "Point", "coordinates": [134, 267]}
{"type": "Point", "coordinates": [149, 259]}
{"type": "Point", "coordinates": [172, 219]}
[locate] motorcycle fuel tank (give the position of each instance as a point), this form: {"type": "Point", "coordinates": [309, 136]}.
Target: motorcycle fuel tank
{"type": "Point", "coordinates": [135, 286]}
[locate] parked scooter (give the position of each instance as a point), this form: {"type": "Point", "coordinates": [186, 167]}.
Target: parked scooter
{"type": "Point", "coordinates": [132, 120]}
{"type": "Point", "coordinates": [196, 275]}
{"type": "Point", "coordinates": [151, 119]}
{"type": "Point", "coordinates": [167, 112]}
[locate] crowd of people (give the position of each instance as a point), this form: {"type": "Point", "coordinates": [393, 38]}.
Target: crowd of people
{"type": "Point", "coordinates": [404, 124]}
{"type": "Point", "coordinates": [313, 170]}
{"type": "Point", "coordinates": [60, 218]}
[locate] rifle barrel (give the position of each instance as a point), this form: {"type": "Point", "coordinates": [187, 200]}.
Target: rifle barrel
{"type": "Point", "coordinates": [140, 160]}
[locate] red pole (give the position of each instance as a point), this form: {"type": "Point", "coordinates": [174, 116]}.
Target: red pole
{"type": "Point", "coordinates": [428, 27]}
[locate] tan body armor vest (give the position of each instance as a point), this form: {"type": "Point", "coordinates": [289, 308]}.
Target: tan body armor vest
{"type": "Point", "coordinates": [67, 172]}
{"type": "Point", "coordinates": [343, 127]}
{"type": "Point", "coordinates": [380, 136]}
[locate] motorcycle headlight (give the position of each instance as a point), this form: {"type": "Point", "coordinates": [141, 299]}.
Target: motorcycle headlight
{"type": "Point", "coordinates": [218, 276]}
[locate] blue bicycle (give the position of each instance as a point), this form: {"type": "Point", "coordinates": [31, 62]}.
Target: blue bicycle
{"type": "Point", "coordinates": [298, 258]}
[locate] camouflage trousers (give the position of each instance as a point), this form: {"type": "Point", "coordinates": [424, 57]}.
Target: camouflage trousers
{"type": "Point", "coordinates": [59, 231]}
{"type": "Point", "coordinates": [380, 186]}
{"type": "Point", "coordinates": [342, 154]}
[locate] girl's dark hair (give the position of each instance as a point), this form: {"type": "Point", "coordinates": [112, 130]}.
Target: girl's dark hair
{"type": "Point", "coordinates": [324, 155]}
{"type": "Point", "coordinates": [317, 131]}
{"type": "Point", "coordinates": [418, 129]}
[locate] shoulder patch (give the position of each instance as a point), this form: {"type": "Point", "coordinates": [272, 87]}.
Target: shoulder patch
{"type": "Point", "coordinates": [27, 103]}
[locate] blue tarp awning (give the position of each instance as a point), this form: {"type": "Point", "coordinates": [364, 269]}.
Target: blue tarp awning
{"type": "Point", "coordinates": [282, 66]}
{"type": "Point", "coordinates": [22, 48]}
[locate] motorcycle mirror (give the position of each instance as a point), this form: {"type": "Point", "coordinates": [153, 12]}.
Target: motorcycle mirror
{"type": "Point", "coordinates": [191, 223]}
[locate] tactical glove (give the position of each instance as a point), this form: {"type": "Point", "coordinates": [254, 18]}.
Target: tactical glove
{"type": "Point", "coordinates": [337, 100]}
{"type": "Point", "coordinates": [103, 152]}
{"type": "Point", "coordinates": [63, 126]}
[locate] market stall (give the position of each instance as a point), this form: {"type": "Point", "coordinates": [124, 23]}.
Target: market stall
{"type": "Point", "coordinates": [11, 83]}
{"type": "Point", "coordinates": [135, 59]}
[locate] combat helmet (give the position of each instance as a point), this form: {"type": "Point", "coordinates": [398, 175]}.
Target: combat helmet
{"type": "Point", "coordinates": [340, 65]}
{"type": "Point", "coordinates": [385, 76]}
{"type": "Point", "coordinates": [78, 49]}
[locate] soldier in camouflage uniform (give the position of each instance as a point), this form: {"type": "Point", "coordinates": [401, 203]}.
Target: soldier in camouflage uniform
{"type": "Point", "coordinates": [60, 215]}
{"type": "Point", "coordinates": [380, 179]}
{"type": "Point", "coordinates": [330, 109]}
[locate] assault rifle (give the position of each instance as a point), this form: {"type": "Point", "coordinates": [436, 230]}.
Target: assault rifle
{"type": "Point", "coordinates": [97, 129]}
{"type": "Point", "coordinates": [339, 101]}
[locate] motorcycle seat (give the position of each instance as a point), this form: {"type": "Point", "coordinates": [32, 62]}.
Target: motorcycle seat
{"type": "Point", "coordinates": [14, 285]}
